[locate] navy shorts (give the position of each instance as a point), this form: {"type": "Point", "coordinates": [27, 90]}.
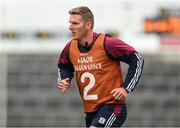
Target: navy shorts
{"type": "Point", "coordinates": [108, 115]}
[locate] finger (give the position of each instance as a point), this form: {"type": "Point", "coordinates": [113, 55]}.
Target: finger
{"type": "Point", "coordinates": [64, 86]}
{"type": "Point", "coordinates": [124, 93]}
{"type": "Point", "coordinates": [67, 80]}
{"type": "Point", "coordinates": [121, 96]}
{"type": "Point", "coordinates": [113, 90]}
{"type": "Point", "coordinates": [118, 99]}
{"type": "Point", "coordinates": [61, 87]}
{"type": "Point", "coordinates": [116, 93]}
{"type": "Point", "coordinates": [63, 83]}
{"type": "Point", "coordinates": [117, 96]}
{"type": "Point", "coordinates": [64, 90]}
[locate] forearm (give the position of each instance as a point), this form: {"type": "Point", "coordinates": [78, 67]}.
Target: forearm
{"type": "Point", "coordinates": [65, 67]}
{"type": "Point", "coordinates": [64, 71]}
{"type": "Point", "coordinates": [120, 51]}
{"type": "Point", "coordinates": [134, 72]}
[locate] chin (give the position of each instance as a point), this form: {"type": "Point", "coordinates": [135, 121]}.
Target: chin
{"type": "Point", "coordinates": [75, 38]}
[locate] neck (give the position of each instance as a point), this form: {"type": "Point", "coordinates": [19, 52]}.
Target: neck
{"type": "Point", "coordinates": [88, 38]}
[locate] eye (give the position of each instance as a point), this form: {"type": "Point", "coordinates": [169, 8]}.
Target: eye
{"type": "Point", "coordinates": [75, 23]}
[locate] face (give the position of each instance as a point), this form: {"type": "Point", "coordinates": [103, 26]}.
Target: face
{"type": "Point", "coordinates": [78, 27]}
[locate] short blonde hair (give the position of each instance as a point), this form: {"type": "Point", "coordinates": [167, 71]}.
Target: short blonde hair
{"type": "Point", "coordinates": [85, 12]}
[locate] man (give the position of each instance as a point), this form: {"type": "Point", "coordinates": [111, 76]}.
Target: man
{"type": "Point", "coordinates": [95, 59]}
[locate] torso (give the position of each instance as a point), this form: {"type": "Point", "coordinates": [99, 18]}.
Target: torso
{"type": "Point", "coordinates": [96, 74]}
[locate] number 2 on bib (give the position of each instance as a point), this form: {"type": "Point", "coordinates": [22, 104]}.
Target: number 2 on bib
{"type": "Point", "coordinates": [89, 86]}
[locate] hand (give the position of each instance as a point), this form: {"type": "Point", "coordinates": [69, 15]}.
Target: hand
{"type": "Point", "coordinates": [119, 93]}
{"type": "Point", "coordinates": [64, 85]}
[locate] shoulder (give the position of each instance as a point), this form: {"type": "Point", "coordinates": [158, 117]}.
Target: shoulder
{"type": "Point", "coordinates": [111, 41]}
{"type": "Point", "coordinates": [116, 43]}
{"type": "Point", "coordinates": [65, 50]}
{"type": "Point", "coordinates": [67, 46]}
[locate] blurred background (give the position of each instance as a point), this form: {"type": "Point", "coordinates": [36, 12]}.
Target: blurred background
{"type": "Point", "coordinates": [33, 33]}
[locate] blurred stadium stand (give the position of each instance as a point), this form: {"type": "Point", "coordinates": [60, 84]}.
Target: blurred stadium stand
{"type": "Point", "coordinates": [33, 96]}
{"type": "Point", "coordinates": [34, 99]}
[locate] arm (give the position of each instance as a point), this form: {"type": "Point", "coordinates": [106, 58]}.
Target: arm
{"type": "Point", "coordinates": [120, 51]}
{"type": "Point", "coordinates": [135, 62]}
{"type": "Point", "coordinates": [65, 70]}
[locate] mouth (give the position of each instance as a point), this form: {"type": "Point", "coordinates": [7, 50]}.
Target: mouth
{"type": "Point", "coordinates": [73, 33]}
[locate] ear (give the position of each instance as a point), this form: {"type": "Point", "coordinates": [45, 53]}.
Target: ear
{"type": "Point", "coordinates": [88, 25]}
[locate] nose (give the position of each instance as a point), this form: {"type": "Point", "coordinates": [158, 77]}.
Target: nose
{"type": "Point", "coordinates": [70, 27]}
